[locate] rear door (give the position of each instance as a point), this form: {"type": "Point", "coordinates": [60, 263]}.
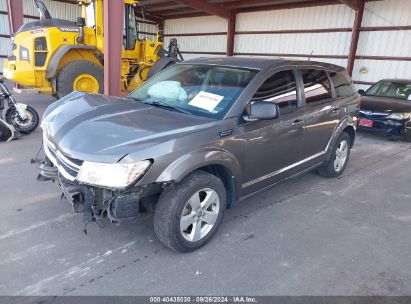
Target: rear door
{"type": "Point", "coordinates": [321, 112]}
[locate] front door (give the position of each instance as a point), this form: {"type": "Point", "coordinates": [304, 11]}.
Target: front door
{"type": "Point", "coordinates": [273, 147]}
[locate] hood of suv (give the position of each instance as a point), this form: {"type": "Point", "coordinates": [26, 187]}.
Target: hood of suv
{"type": "Point", "coordinates": [86, 126]}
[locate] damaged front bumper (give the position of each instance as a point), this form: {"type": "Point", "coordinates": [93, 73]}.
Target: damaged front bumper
{"type": "Point", "coordinates": [95, 202]}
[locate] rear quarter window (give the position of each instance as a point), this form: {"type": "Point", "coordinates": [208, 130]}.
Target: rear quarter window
{"type": "Point", "coordinates": [342, 84]}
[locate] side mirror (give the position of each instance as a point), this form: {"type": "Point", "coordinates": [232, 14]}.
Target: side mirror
{"type": "Point", "coordinates": [361, 92]}
{"type": "Point", "coordinates": [81, 22]}
{"type": "Point", "coordinates": [263, 110]}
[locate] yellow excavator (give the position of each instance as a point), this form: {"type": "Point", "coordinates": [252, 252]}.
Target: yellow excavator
{"type": "Point", "coordinates": [57, 56]}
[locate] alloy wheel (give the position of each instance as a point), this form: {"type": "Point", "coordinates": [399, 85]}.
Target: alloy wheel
{"type": "Point", "coordinates": [341, 154]}
{"type": "Point", "coordinates": [199, 214]}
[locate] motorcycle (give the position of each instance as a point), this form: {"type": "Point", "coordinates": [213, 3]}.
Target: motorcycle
{"type": "Point", "coordinates": [22, 117]}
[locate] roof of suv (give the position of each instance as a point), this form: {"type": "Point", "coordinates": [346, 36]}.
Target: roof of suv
{"type": "Point", "coordinates": [259, 63]}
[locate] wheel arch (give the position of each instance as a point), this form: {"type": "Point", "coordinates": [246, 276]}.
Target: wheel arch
{"type": "Point", "coordinates": [350, 130]}
{"type": "Point", "coordinates": [348, 125]}
{"type": "Point", "coordinates": [227, 178]}
{"type": "Point", "coordinates": [220, 163]}
{"type": "Point", "coordinates": [54, 63]}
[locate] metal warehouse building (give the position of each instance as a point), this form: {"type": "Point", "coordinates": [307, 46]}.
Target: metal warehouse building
{"type": "Point", "coordinates": [372, 38]}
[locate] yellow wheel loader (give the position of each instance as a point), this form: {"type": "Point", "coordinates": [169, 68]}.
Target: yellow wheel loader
{"type": "Point", "coordinates": [57, 56]}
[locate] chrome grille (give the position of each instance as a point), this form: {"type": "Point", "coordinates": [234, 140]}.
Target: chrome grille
{"type": "Point", "coordinates": [68, 167]}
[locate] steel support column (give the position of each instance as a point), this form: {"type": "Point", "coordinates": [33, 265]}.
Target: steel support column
{"type": "Point", "coordinates": [113, 45]}
{"type": "Point", "coordinates": [16, 19]}
{"type": "Point", "coordinates": [231, 34]}
{"type": "Point", "coordinates": [354, 38]}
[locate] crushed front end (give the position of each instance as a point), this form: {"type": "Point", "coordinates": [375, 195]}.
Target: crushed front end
{"type": "Point", "coordinates": [94, 201]}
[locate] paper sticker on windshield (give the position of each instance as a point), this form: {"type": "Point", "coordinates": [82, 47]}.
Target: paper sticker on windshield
{"type": "Point", "coordinates": [206, 101]}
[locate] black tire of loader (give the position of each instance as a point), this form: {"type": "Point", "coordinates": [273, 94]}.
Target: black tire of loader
{"type": "Point", "coordinates": [72, 70]}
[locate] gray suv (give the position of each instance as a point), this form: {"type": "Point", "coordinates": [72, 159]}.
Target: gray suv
{"type": "Point", "coordinates": [198, 138]}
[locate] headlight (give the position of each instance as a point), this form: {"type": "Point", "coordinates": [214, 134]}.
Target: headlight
{"type": "Point", "coordinates": [399, 116]}
{"type": "Point", "coordinates": [111, 175]}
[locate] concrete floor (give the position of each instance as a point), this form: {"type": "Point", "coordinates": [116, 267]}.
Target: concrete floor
{"type": "Point", "coordinates": [306, 236]}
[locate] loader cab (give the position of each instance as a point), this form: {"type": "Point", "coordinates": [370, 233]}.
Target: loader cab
{"type": "Point", "coordinates": [92, 12]}
{"type": "Point", "coordinates": [130, 30]}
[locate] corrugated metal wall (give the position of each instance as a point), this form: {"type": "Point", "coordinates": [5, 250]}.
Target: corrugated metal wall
{"type": "Point", "coordinates": [57, 9]}
{"type": "Point", "coordinates": [384, 43]}
{"type": "Point", "coordinates": [259, 33]}
{"type": "Point", "coordinates": [146, 30]}
{"type": "Point", "coordinates": [4, 31]}
{"type": "Point", "coordinates": [321, 31]}
{"type": "Point", "coordinates": [199, 43]}
{"type": "Point", "coordinates": [319, 44]}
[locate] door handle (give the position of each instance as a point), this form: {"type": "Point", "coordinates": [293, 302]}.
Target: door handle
{"type": "Point", "coordinates": [298, 122]}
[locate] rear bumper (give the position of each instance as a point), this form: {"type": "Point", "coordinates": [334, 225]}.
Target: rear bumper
{"type": "Point", "coordinates": [388, 127]}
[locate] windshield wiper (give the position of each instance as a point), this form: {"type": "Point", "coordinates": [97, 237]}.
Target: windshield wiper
{"type": "Point", "coordinates": [167, 106]}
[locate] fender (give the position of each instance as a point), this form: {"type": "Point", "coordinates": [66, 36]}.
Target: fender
{"type": "Point", "coordinates": [21, 108]}
{"type": "Point", "coordinates": [192, 161]}
{"type": "Point", "coordinates": [347, 121]}
{"type": "Point", "coordinates": [61, 51]}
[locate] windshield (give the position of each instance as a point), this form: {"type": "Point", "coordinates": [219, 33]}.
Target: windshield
{"type": "Point", "coordinates": [90, 15]}
{"type": "Point", "coordinates": [390, 89]}
{"type": "Point", "coordinates": [203, 90]}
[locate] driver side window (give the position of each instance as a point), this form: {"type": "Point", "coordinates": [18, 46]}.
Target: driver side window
{"type": "Point", "coordinates": [280, 88]}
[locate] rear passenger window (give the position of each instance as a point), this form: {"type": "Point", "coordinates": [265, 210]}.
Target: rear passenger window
{"type": "Point", "coordinates": [281, 88]}
{"type": "Point", "coordinates": [317, 87]}
{"type": "Point", "coordinates": [342, 84]}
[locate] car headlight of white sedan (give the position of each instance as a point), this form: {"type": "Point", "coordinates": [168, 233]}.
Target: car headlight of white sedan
{"type": "Point", "coordinates": [108, 175]}
{"type": "Point", "coordinates": [399, 116]}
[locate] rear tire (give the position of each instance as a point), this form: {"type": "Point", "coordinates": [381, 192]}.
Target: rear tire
{"type": "Point", "coordinates": [189, 213]}
{"type": "Point", "coordinates": [338, 160]}
{"type": "Point", "coordinates": [85, 76]}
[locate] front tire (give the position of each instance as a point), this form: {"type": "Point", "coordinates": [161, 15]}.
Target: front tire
{"type": "Point", "coordinates": [189, 213]}
{"type": "Point", "coordinates": [83, 76]}
{"type": "Point", "coordinates": [338, 160]}
{"type": "Point", "coordinates": [23, 125]}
